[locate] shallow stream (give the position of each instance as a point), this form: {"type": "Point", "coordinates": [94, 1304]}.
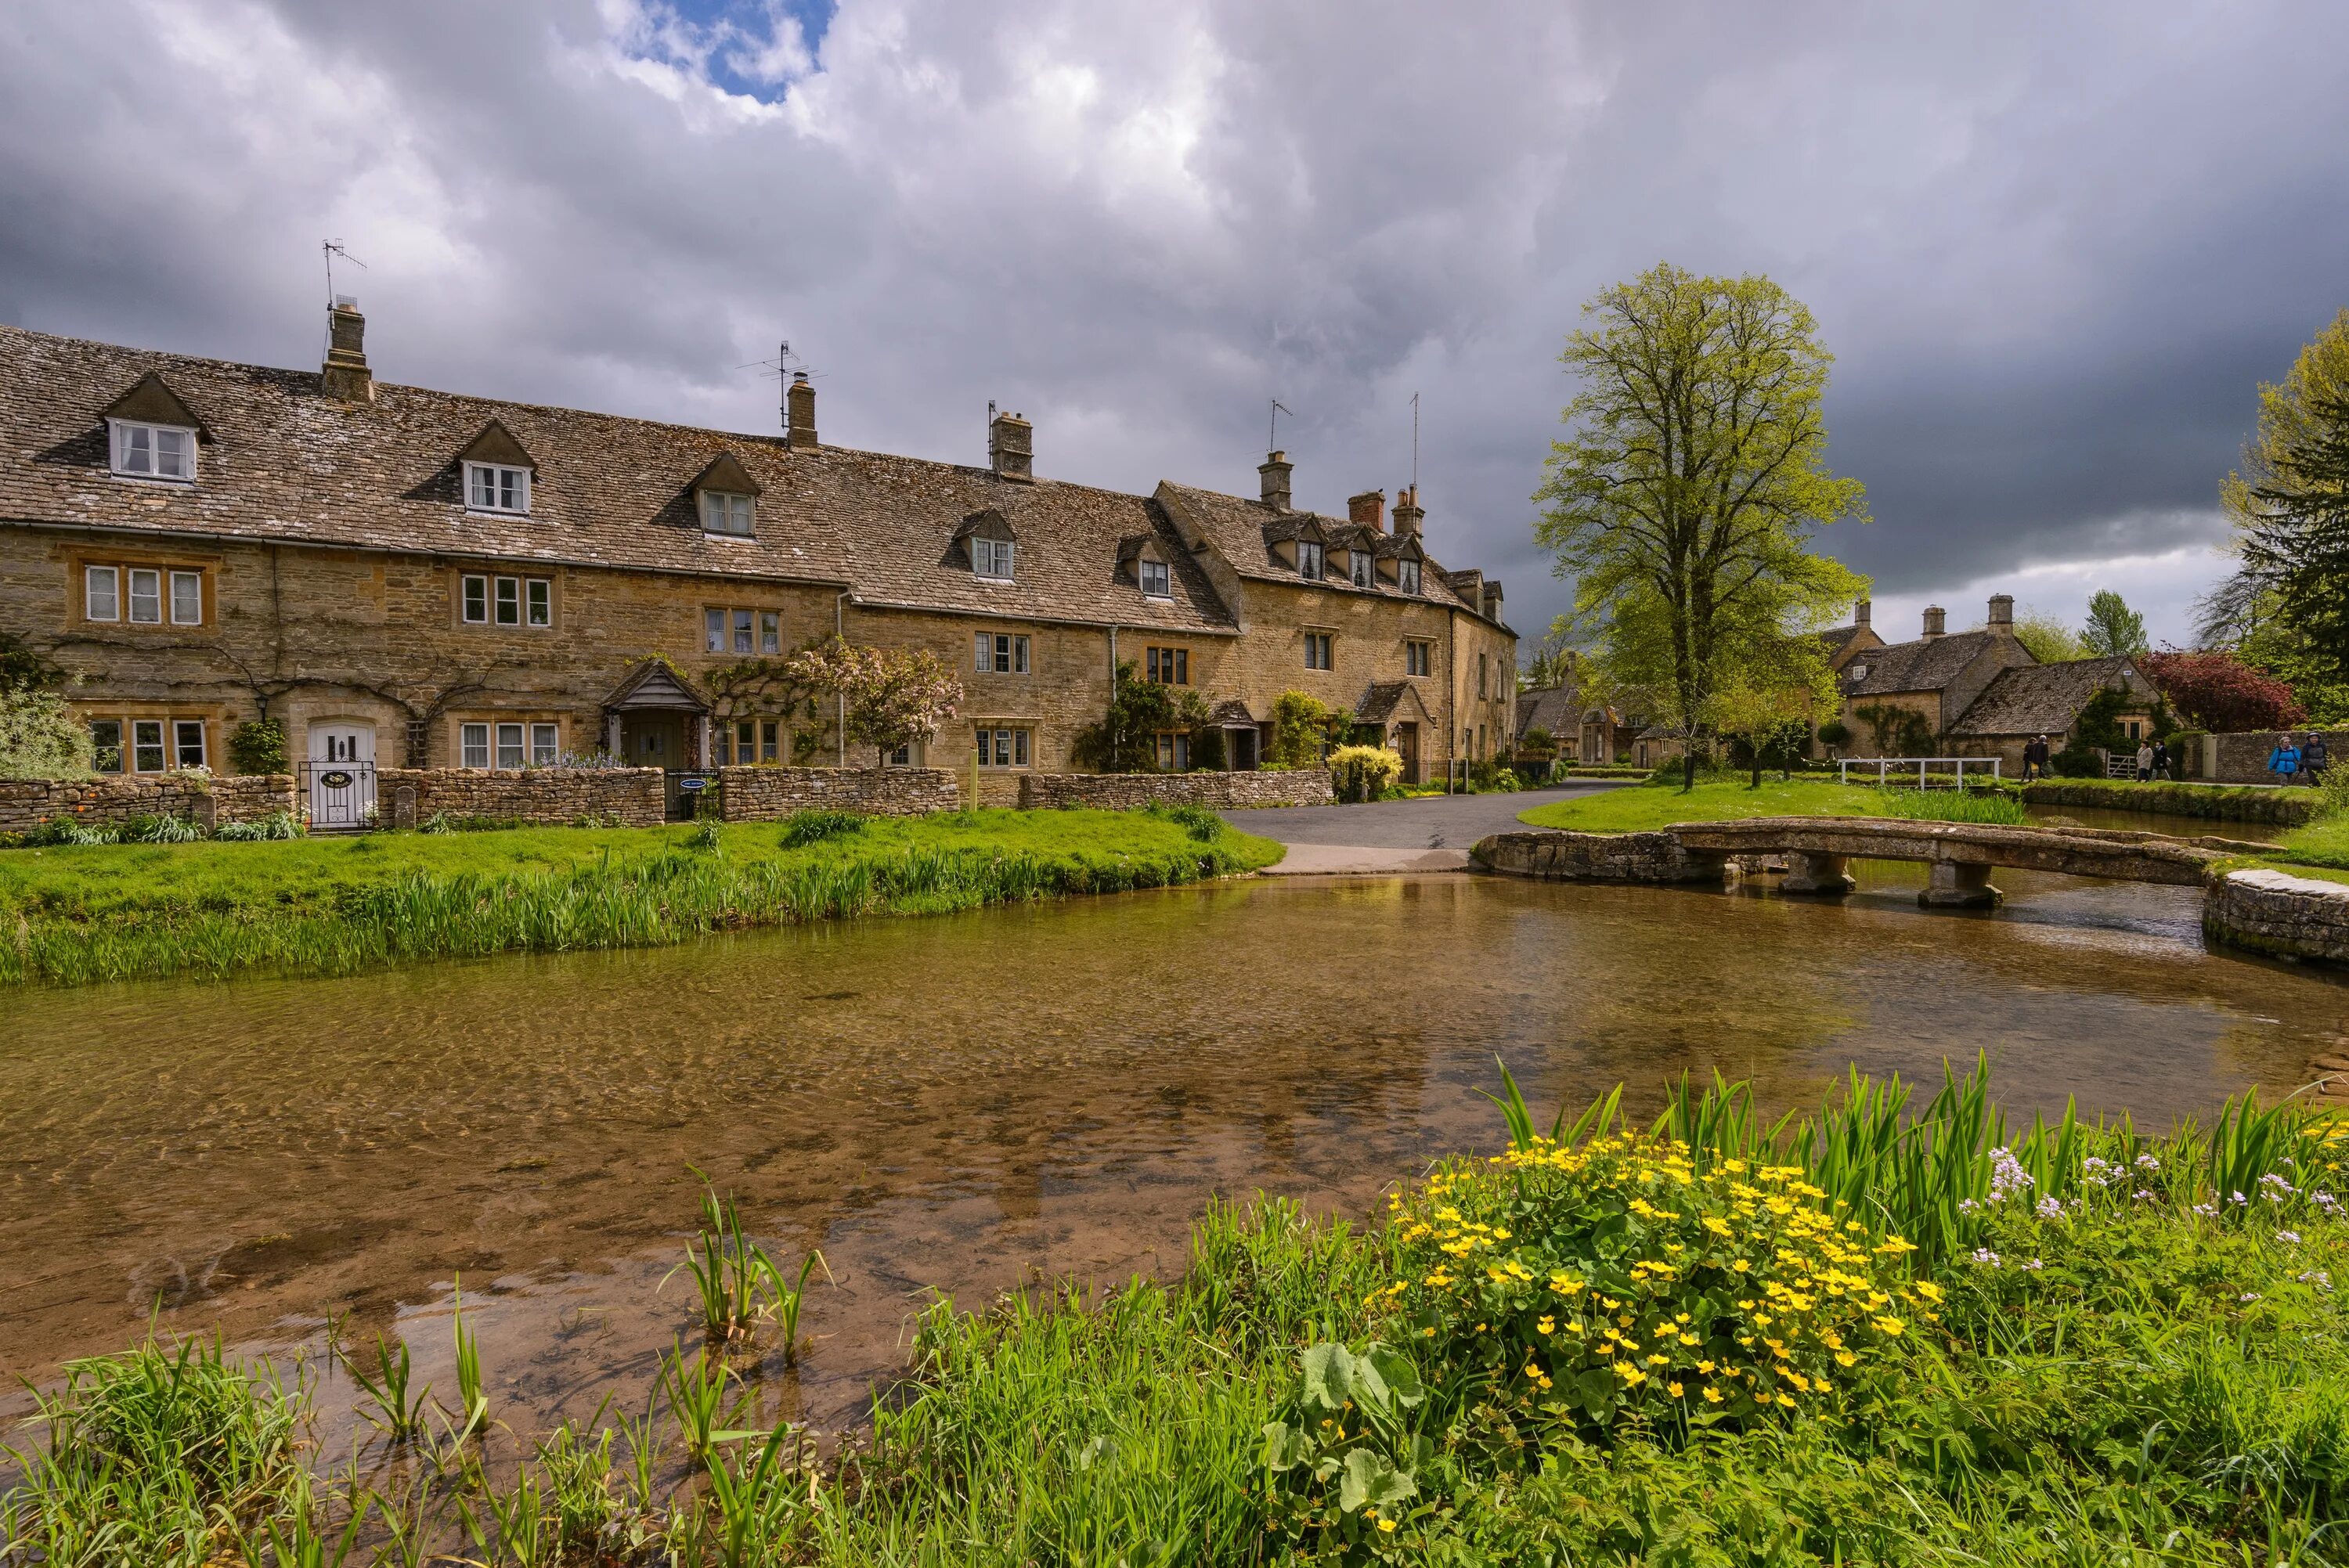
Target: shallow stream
{"type": "Point", "coordinates": [970, 1104]}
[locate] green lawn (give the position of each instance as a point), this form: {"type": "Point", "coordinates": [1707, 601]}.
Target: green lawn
{"type": "Point", "coordinates": [1648, 806]}
{"type": "Point", "coordinates": [334, 904]}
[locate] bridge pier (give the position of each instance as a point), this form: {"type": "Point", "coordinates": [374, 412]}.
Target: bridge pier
{"type": "Point", "coordinates": [1956, 885]}
{"type": "Point", "coordinates": [1810, 872]}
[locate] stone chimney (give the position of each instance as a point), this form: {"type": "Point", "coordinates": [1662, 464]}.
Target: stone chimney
{"type": "Point", "coordinates": [1491, 605]}
{"type": "Point", "coordinates": [1409, 514]}
{"type": "Point", "coordinates": [346, 372]}
{"type": "Point", "coordinates": [1859, 612]}
{"type": "Point", "coordinates": [1368, 509]}
{"type": "Point", "coordinates": [1272, 476]}
{"type": "Point", "coordinates": [1011, 448]}
{"type": "Point", "coordinates": [2002, 614]}
{"type": "Point", "coordinates": [802, 407]}
{"type": "Point", "coordinates": [1934, 617]}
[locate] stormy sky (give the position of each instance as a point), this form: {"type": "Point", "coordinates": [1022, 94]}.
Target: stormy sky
{"type": "Point", "coordinates": [2054, 247]}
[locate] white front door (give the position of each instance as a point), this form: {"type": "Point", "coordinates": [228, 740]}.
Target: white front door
{"type": "Point", "coordinates": [341, 774]}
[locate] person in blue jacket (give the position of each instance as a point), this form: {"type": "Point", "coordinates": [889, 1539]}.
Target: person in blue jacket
{"type": "Point", "coordinates": [2284, 760]}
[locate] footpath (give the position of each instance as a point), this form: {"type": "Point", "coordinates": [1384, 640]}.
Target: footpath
{"type": "Point", "coordinates": [1393, 838]}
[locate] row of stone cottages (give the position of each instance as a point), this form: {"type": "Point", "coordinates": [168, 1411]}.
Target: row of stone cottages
{"type": "Point", "coordinates": [442, 580]}
{"type": "Point", "coordinates": [1956, 694]}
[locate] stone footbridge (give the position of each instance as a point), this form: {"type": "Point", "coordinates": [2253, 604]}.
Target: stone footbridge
{"type": "Point", "coordinates": [2261, 910]}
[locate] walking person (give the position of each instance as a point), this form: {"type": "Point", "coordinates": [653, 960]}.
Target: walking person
{"type": "Point", "coordinates": [2144, 762]}
{"type": "Point", "coordinates": [2284, 760]}
{"type": "Point", "coordinates": [2034, 759]}
{"type": "Point", "coordinates": [2314, 759]}
{"type": "Point", "coordinates": [2161, 761]}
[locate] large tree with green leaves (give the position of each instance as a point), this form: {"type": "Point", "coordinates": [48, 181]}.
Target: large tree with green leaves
{"type": "Point", "coordinates": [1683, 501]}
{"type": "Point", "coordinates": [2114, 630]}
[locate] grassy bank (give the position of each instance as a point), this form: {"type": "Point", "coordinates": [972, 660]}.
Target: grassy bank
{"type": "Point", "coordinates": [2220, 802]}
{"type": "Point", "coordinates": [1884, 1334]}
{"type": "Point", "coordinates": [73, 915]}
{"type": "Point", "coordinates": [1660, 805]}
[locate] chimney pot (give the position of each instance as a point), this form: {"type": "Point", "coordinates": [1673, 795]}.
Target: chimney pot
{"type": "Point", "coordinates": [1934, 618]}
{"type": "Point", "coordinates": [1368, 509]}
{"type": "Point", "coordinates": [2002, 612]}
{"type": "Point", "coordinates": [801, 402]}
{"type": "Point", "coordinates": [1272, 475]}
{"type": "Point", "coordinates": [1859, 613]}
{"type": "Point", "coordinates": [1408, 513]}
{"type": "Point", "coordinates": [1011, 448]}
{"type": "Point", "coordinates": [346, 372]}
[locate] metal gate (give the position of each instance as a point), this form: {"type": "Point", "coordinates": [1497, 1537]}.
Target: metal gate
{"type": "Point", "coordinates": [341, 794]}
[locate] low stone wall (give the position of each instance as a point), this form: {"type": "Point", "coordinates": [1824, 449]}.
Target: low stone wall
{"type": "Point", "coordinates": [765, 794]}
{"type": "Point", "coordinates": [25, 803]}
{"type": "Point", "coordinates": [1598, 857]}
{"type": "Point", "coordinates": [2283, 915]}
{"type": "Point", "coordinates": [1216, 791]}
{"type": "Point", "coordinates": [2242, 758]}
{"type": "Point", "coordinates": [624, 796]}
{"type": "Point", "coordinates": [2280, 808]}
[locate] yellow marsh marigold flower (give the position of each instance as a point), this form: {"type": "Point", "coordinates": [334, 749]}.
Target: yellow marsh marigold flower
{"type": "Point", "coordinates": [1673, 1389]}
{"type": "Point", "coordinates": [1713, 1395]}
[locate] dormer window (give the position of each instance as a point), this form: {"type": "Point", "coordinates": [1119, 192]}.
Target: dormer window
{"type": "Point", "coordinates": [724, 513]}
{"type": "Point", "coordinates": [498, 472]}
{"type": "Point", "coordinates": [1407, 575]}
{"type": "Point", "coordinates": [1157, 579]}
{"type": "Point", "coordinates": [992, 558]}
{"type": "Point", "coordinates": [1308, 559]}
{"type": "Point", "coordinates": [1359, 562]}
{"type": "Point", "coordinates": [495, 487]}
{"type": "Point", "coordinates": [153, 451]}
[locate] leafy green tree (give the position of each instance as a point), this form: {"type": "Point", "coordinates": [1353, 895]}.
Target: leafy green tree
{"type": "Point", "coordinates": [2286, 608]}
{"type": "Point", "coordinates": [1769, 700]}
{"type": "Point", "coordinates": [258, 746]}
{"type": "Point", "coordinates": [2049, 640]}
{"type": "Point", "coordinates": [1683, 501]}
{"type": "Point", "coordinates": [1126, 739]}
{"type": "Point", "coordinates": [2114, 630]}
{"type": "Point", "coordinates": [1302, 727]}
{"type": "Point", "coordinates": [893, 697]}
{"type": "Point", "coordinates": [40, 737]}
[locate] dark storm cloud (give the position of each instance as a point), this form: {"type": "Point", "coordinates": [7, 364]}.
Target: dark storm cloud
{"type": "Point", "coordinates": [2052, 248]}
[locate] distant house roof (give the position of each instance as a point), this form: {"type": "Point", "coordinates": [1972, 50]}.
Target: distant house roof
{"type": "Point", "coordinates": [1929, 665]}
{"type": "Point", "coordinates": [1553, 709]}
{"type": "Point", "coordinates": [2047, 699]}
{"type": "Point", "coordinates": [1835, 638]}
{"type": "Point", "coordinates": [1389, 700]}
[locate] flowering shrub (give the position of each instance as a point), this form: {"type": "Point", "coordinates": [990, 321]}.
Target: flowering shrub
{"type": "Point", "coordinates": [1617, 1283]}
{"type": "Point", "coordinates": [893, 695]}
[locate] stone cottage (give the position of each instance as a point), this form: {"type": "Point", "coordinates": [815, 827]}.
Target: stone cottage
{"type": "Point", "coordinates": [436, 580]}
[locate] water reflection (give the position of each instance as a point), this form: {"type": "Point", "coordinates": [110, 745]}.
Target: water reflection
{"type": "Point", "coordinates": [967, 1104]}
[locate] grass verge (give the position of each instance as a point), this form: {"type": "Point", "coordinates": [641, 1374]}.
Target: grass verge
{"type": "Point", "coordinates": [1883, 1334]}
{"type": "Point", "coordinates": [1660, 805]}
{"type": "Point", "coordinates": [75, 916]}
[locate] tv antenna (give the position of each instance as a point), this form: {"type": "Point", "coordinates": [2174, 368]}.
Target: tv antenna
{"type": "Point", "coordinates": [331, 249]}
{"type": "Point", "coordinates": [1272, 425]}
{"type": "Point", "coordinates": [781, 367]}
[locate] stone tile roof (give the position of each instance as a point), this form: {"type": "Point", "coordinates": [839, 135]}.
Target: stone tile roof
{"type": "Point", "coordinates": [1834, 637]}
{"type": "Point", "coordinates": [1554, 708]}
{"type": "Point", "coordinates": [285, 461]}
{"type": "Point", "coordinates": [2047, 699]}
{"type": "Point", "coordinates": [1929, 665]}
{"type": "Point", "coordinates": [1386, 700]}
{"type": "Point", "coordinates": [1244, 532]}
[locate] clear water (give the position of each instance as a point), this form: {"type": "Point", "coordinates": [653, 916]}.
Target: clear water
{"type": "Point", "coordinates": [973, 1104]}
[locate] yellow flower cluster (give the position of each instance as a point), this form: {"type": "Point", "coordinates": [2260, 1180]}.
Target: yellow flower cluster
{"type": "Point", "coordinates": [1617, 1274]}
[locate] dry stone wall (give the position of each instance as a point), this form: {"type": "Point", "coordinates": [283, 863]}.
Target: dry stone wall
{"type": "Point", "coordinates": [26, 803]}
{"type": "Point", "coordinates": [1216, 791]}
{"type": "Point", "coordinates": [2274, 912]}
{"type": "Point", "coordinates": [621, 797]}
{"type": "Point", "coordinates": [765, 794]}
{"type": "Point", "coordinates": [2242, 758]}
{"type": "Point", "coordinates": [1598, 857]}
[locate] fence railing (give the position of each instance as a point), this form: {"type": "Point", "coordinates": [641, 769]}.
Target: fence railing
{"type": "Point", "coordinates": [1925, 772]}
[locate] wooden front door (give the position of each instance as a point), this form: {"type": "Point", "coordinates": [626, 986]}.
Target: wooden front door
{"type": "Point", "coordinates": [1407, 745]}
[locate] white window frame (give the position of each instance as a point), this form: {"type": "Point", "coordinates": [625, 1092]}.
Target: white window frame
{"type": "Point", "coordinates": [1364, 572]}
{"type": "Point", "coordinates": [100, 747]}
{"type": "Point", "coordinates": [538, 602]}
{"type": "Point", "coordinates": [995, 560]}
{"type": "Point", "coordinates": [90, 577]}
{"type": "Point", "coordinates": [153, 597]}
{"type": "Point", "coordinates": [1157, 579]}
{"type": "Point", "coordinates": [505, 595]}
{"type": "Point", "coordinates": [183, 746]}
{"type": "Point", "coordinates": [139, 450]}
{"type": "Point", "coordinates": [545, 745]}
{"type": "Point", "coordinates": [999, 653]}
{"type": "Point", "coordinates": [194, 582]}
{"type": "Point", "coordinates": [501, 489]}
{"type": "Point", "coordinates": [771, 630]}
{"type": "Point", "coordinates": [713, 629]}
{"type": "Point", "coordinates": [730, 513]}
{"type": "Point", "coordinates": [518, 749]}
{"type": "Point", "coordinates": [1311, 563]}
{"type": "Point", "coordinates": [744, 627]}
{"type": "Point", "coordinates": [1407, 575]}
{"type": "Point", "coordinates": [473, 745]}
{"type": "Point", "coordinates": [467, 582]}
{"type": "Point", "coordinates": [140, 745]}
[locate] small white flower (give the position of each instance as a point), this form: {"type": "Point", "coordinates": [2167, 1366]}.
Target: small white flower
{"type": "Point", "coordinates": [2034, 1264]}
{"type": "Point", "coordinates": [2291, 1236]}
